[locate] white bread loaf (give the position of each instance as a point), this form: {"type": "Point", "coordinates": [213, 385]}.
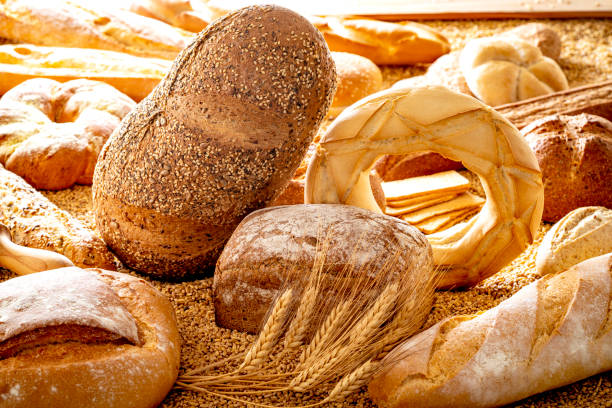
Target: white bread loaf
{"type": "Point", "coordinates": [553, 332]}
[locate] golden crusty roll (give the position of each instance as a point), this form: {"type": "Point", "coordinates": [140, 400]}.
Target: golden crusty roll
{"type": "Point", "coordinates": [85, 338]}
{"type": "Point", "coordinates": [501, 70]}
{"type": "Point", "coordinates": [36, 222]}
{"type": "Point", "coordinates": [461, 128]}
{"type": "Point", "coordinates": [358, 77]}
{"type": "Point", "coordinates": [52, 133]}
{"type": "Point", "coordinates": [220, 137]}
{"type": "Point", "coordinates": [551, 333]}
{"type": "Point", "coordinates": [575, 155]}
{"type": "Point", "coordinates": [134, 76]}
{"type": "Point", "coordinates": [583, 233]}
{"type": "Point", "coordinates": [69, 24]}
{"type": "Point", "coordinates": [385, 43]}
{"type": "Point", "coordinates": [179, 13]}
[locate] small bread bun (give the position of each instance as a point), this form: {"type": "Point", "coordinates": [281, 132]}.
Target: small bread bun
{"type": "Point", "coordinates": [85, 338]}
{"type": "Point", "coordinates": [357, 78]}
{"type": "Point", "coordinates": [540, 35]}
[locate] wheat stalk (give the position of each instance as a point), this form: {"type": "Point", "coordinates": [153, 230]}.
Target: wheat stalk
{"type": "Point", "coordinates": [269, 333]}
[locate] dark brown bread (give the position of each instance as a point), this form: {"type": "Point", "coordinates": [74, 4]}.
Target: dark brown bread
{"type": "Point", "coordinates": [277, 246]}
{"type": "Point", "coordinates": [575, 156]}
{"type": "Point", "coordinates": [218, 138]}
{"type": "Point", "coordinates": [398, 167]}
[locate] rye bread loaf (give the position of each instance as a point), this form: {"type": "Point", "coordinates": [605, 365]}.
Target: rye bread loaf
{"type": "Point", "coordinates": [218, 138]}
{"type": "Point", "coordinates": [575, 156]}
{"type": "Point", "coordinates": [275, 247]}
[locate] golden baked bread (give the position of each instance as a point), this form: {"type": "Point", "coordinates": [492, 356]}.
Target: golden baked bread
{"type": "Point", "coordinates": [583, 233]}
{"type": "Point", "coordinates": [358, 77]}
{"type": "Point", "coordinates": [385, 43]}
{"type": "Point", "coordinates": [220, 137]}
{"type": "Point", "coordinates": [179, 13]}
{"type": "Point", "coordinates": [65, 23]}
{"type": "Point", "coordinates": [134, 76]}
{"type": "Point", "coordinates": [551, 333]}
{"type": "Point", "coordinates": [276, 247]}
{"type": "Point", "coordinates": [502, 69]}
{"type": "Point", "coordinates": [575, 155]}
{"type": "Point", "coordinates": [540, 35]}
{"type": "Point", "coordinates": [401, 121]}
{"type": "Point", "coordinates": [36, 222]}
{"type": "Point", "coordinates": [51, 133]}
{"type": "Point", "coordinates": [85, 338]}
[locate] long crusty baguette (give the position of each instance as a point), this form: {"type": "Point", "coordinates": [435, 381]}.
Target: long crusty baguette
{"type": "Point", "coordinates": [134, 76]}
{"type": "Point", "coordinates": [36, 222]}
{"type": "Point", "coordinates": [69, 24]}
{"type": "Point", "coordinates": [552, 332]}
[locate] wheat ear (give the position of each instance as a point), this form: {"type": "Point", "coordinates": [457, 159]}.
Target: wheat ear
{"type": "Point", "coordinates": [301, 321]}
{"type": "Point", "coordinates": [308, 377]}
{"type": "Point", "coordinates": [354, 381]}
{"type": "Point", "coordinates": [269, 333]}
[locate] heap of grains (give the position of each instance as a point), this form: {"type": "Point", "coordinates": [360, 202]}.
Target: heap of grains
{"type": "Point", "coordinates": [586, 57]}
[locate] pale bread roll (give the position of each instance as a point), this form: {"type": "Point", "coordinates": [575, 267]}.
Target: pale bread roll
{"type": "Point", "coordinates": [357, 78]}
{"type": "Point", "coordinates": [583, 233]}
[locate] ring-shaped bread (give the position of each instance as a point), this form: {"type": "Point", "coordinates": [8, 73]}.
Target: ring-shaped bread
{"type": "Point", "coordinates": [459, 127]}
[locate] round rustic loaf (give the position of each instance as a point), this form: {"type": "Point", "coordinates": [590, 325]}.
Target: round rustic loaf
{"type": "Point", "coordinates": [218, 138]}
{"type": "Point", "coordinates": [276, 246]}
{"type": "Point", "coordinates": [575, 156]}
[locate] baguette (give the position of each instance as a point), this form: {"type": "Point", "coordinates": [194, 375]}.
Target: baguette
{"type": "Point", "coordinates": [69, 24]}
{"type": "Point", "coordinates": [134, 76]}
{"type": "Point", "coordinates": [36, 222]}
{"type": "Point", "coordinates": [552, 332]}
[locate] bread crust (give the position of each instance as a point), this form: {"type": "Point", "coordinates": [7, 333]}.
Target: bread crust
{"type": "Point", "coordinates": [103, 375]}
{"type": "Point", "coordinates": [216, 140]}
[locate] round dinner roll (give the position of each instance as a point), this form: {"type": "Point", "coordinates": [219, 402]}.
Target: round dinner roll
{"type": "Point", "coordinates": [276, 247]}
{"type": "Point", "coordinates": [76, 338]}
{"type": "Point", "coordinates": [575, 156]}
{"type": "Point", "coordinates": [540, 35]}
{"type": "Point", "coordinates": [358, 77]}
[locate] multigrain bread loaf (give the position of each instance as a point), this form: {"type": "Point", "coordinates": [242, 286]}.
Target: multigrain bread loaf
{"type": "Point", "coordinates": [575, 155]}
{"type": "Point", "coordinates": [276, 247]}
{"type": "Point", "coordinates": [218, 138]}
{"type": "Point", "coordinates": [85, 338]}
{"type": "Point", "coordinates": [134, 76]}
{"type": "Point", "coordinates": [36, 222]}
{"type": "Point", "coordinates": [51, 133]}
{"type": "Point", "coordinates": [358, 77]}
{"type": "Point", "coordinates": [583, 233]}
{"type": "Point", "coordinates": [552, 332]}
{"type": "Point", "coordinates": [65, 23]}
{"type": "Point", "coordinates": [385, 43]}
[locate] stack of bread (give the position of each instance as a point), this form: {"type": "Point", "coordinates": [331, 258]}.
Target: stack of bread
{"type": "Point", "coordinates": [236, 118]}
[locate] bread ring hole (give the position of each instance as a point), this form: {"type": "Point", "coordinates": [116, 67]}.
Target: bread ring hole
{"type": "Point", "coordinates": [102, 21]}
{"type": "Point", "coordinates": [23, 50]}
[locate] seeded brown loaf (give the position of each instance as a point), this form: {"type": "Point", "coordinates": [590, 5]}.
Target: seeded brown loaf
{"type": "Point", "coordinates": [277, 245]}
{"type": "Point", "coordinates": [575, 156]}
{"type": "Point", "coordinates": [85, 338]}
{"type": "Point", "coordinates": [218, 138]}
{"type": "Point", "coordinates": [552, 332]}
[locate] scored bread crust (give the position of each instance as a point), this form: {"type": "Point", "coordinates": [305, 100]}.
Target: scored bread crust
{"type": "Point", "coordinates": [551, 333]}
{"type": "Point", "coordinates": [108, 375]}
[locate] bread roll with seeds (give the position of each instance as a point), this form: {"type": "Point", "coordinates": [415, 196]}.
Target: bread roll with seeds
{"type": "Point", "coordinates": [220, 137]}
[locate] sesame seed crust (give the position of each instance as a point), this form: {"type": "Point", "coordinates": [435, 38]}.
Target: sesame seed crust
{"type": "Point", "coordinates": [221, 135]}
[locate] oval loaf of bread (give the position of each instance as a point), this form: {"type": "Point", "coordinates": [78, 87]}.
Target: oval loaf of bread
{"type": "Point", "coordinates": [218, 138]}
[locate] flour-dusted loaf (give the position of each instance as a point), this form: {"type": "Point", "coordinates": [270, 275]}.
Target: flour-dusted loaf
{"type": "Point", "coordinates": [575, 155]}
{"type": "Point", "coordinates": [85, 338]}
{"type": "Point", "coordinates": [551, 333]}
{"type": "Point", "coordinates": [276, 246]}
{"type": "Point", "coordinates": [218, 138]}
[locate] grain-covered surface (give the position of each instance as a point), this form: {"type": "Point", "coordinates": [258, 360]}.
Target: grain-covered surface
{"type": "Point", "coordinates": [586, 57]}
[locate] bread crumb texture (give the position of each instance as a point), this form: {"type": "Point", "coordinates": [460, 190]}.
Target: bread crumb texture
{"type": "Point", "coordinates": [586, 57]}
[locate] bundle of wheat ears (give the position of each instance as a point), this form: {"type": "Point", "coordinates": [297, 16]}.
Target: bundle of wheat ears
{"type": "Point", "coordinates": [311, 343]}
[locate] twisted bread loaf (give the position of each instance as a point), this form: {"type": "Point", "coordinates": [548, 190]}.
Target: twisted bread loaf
{"type": "Point", "coordinates": [51, 133]}
{"type": "Point", "coordinates": [552, 332]}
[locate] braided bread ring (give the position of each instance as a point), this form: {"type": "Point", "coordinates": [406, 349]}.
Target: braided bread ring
{"type": "Point", "coordinates": [400, 121]}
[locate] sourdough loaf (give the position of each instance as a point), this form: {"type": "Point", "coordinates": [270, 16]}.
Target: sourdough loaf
{"type": "Point", "coordinates": [218, 138]}
{"type": "Point", "coordinates": [551, 333]}
{"type": "Point", "coordinates": [276, 247]}
{"type": "Point", "coordinates": [85, 338]}
{"type": "Point", "coordinates": [575, 155]}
